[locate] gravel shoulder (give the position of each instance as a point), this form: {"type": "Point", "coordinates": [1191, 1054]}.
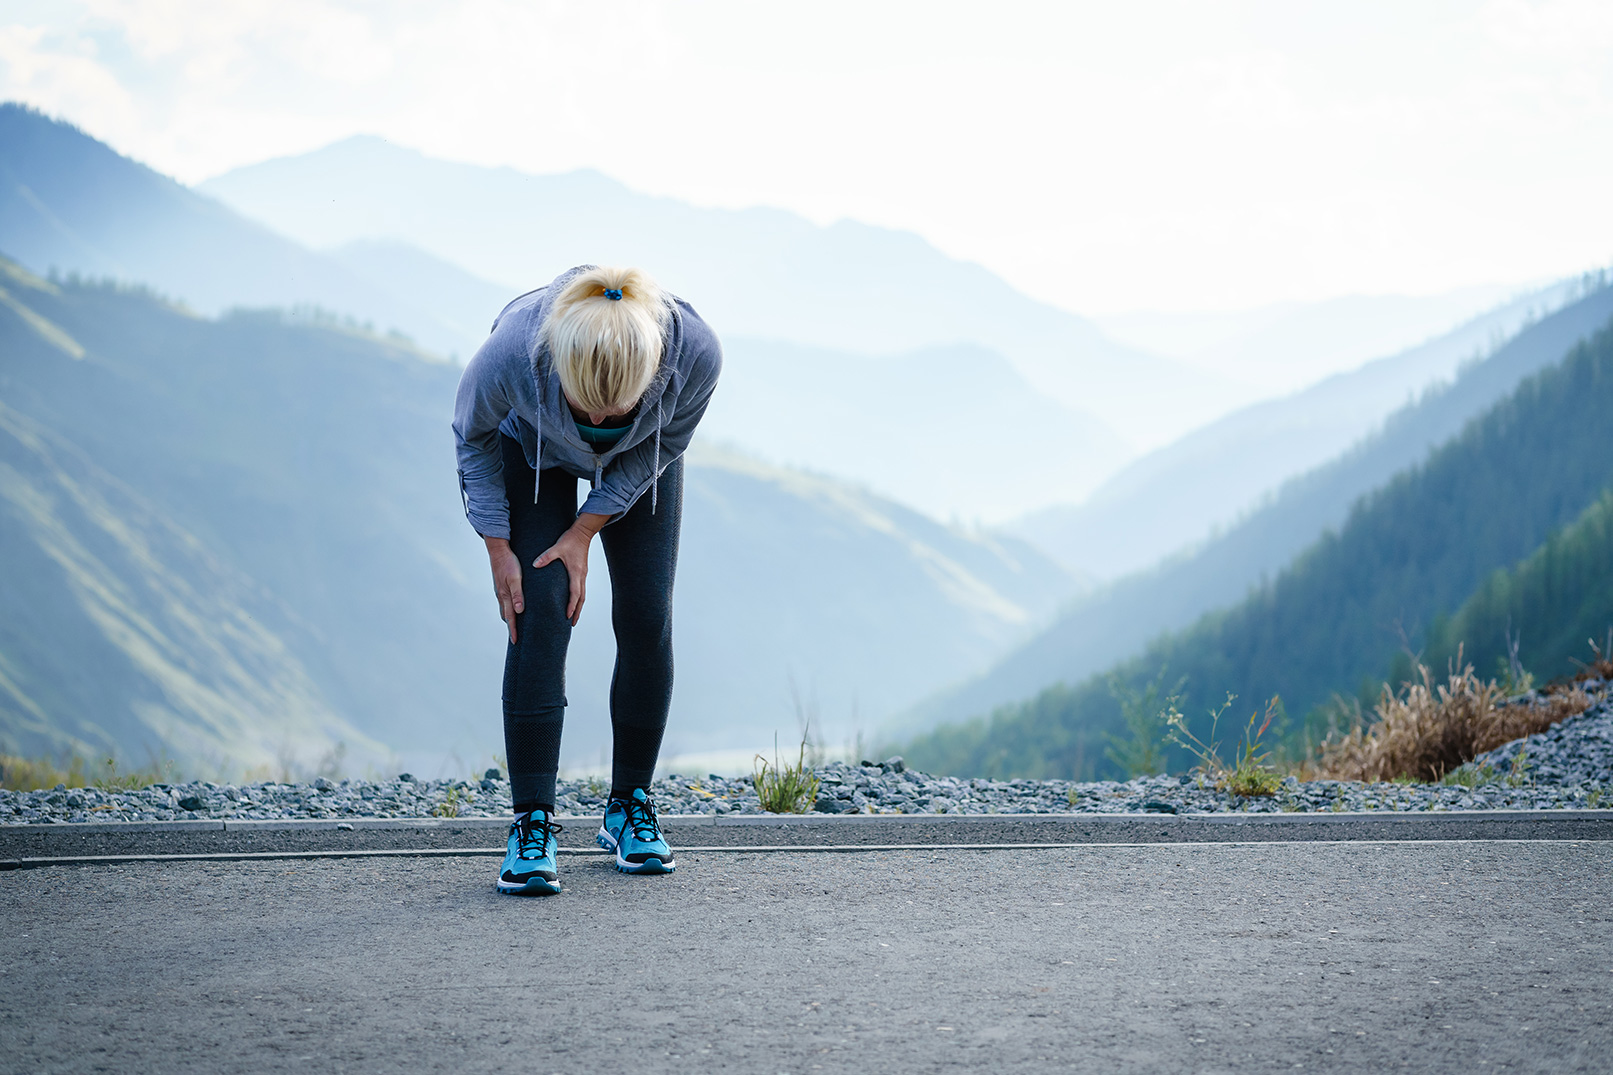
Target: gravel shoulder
{"type": "Point", "coordinates": [1450, 957]}
{"type": "Point", "coordinates": [1567, 767]}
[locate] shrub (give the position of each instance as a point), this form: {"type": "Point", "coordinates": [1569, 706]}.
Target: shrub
{"type": "Point", "coordinates": [1429, 729]}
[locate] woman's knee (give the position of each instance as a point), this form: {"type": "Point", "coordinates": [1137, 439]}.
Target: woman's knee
{"type": "Point", "coordinates": [546, 591]}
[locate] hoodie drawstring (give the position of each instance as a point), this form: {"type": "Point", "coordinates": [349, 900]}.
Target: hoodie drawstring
{"type": "Point", "coordinates": [655, 482]}
{"type": "Point", "coordinates": [537, 470]}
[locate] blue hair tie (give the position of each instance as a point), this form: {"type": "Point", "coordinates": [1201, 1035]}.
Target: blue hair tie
{"type": "Point", "coordinates": [613, 293]}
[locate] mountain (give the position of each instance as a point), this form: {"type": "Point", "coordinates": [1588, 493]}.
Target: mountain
{"type": "Point", "coordinates": [1331, 622]}
{"type": "Point", "coordinates": [101, 215]}
{"type": "Point", "coordinates": [461, 303]}
{"type": "Point", "coordinates": [1118, 620]}
{"type": "Point", "coordinates": [124, 636]}
{"type": "Point", "coordinates": [922, 428]}
{"type": "Point", "coordinates": [861, 604]}
{"type": "Point", "coordinates": [1178, 496]}
{"type": "Point", "coordinates": [278, 491]}
{"type": "Point", "coordinates": [1288, 346]}
{"type": "Point", "coordinates": [70, 204]}
{"type": "Point", "coordinates": [757, 273]}
{"type": "Point", "coordinates": [124, 633]}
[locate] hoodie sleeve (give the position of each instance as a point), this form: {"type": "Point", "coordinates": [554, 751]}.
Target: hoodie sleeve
{"type": "Point", "coordinates": [482, 403]}
{"type": "Point", "coordinates": [630, 474]}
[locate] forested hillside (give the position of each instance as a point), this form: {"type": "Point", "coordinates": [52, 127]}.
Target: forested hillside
{"type": "Point", "coordinates": [1117, 621]}
{"type": "Point", "coordinates": [1332, 621]}
{"type": "Point", "coordinates": [1553, 605]}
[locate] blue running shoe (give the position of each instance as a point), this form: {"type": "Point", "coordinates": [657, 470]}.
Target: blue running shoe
{"type": "Point", "coordinates": [529, 866]}
{"type": "Point", "coordinates": [630, 830]}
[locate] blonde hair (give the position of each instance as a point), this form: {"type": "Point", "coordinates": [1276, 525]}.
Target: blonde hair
{"type": "Point", "coordinates": [606, 349]}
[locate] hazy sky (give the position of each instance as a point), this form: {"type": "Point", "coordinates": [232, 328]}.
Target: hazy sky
{"type": "Point", "coordinates": [1103, 156]}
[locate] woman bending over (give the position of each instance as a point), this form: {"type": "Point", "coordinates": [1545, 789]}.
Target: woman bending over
{"type": "Point", "coordinates": [600, 376]}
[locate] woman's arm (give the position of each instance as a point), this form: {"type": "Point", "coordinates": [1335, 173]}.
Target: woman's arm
{"type": "Point", "coordinates": [479, 406]}
{"type": "Point", "coordinates": [481, 403]}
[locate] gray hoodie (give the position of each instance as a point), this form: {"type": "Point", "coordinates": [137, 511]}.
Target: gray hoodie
{"type": "Point", "coordinates": [510, 386]}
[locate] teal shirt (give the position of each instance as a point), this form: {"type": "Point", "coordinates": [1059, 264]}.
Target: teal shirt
{"type": "Point", "coordinates": [601, 440]}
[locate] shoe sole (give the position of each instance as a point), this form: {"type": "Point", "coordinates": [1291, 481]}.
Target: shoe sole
{"type": "Point", "coordinates": [604, 839]}
{"type": "Point", "coordinates": [536, 887]}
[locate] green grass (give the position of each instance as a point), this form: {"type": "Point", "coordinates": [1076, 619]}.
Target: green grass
{"type": "Point", "coordinates": [1248, 775]}
{"type": "Point", "coordinates": [452, 804]}
{"type": "Point", "coordinates": [1518, 775]}
{"type": "Point", "coordinates": [1470, 776]}
{"type": "Point", "coordinates": [785, 789]}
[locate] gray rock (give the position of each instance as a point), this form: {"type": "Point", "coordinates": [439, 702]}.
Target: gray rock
{"type": "Point", "coordinates": [1570, 765]}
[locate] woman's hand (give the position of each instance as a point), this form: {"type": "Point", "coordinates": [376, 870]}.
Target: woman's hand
{"type": "Point", "coordinates": [506, 581]}
{"type": "Point", "coordinates": [572, 550]}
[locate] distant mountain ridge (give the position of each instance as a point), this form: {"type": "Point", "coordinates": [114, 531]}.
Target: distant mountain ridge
{"type": "Point", "coordinates": [966, 438]}
{"type": "Point", "coordinates": [1174, 498]}
{"type": "Point", "coordinates": [70, 203]}
{"type": "Point", "coordinates": [103, 215]}
{"type": "Point", "coordinates": [1291, 345]}
{"type": "Point", "coordinates": [758, 273]}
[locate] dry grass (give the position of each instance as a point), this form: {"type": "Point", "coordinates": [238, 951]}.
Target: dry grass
{"type": "Point", "coordinates": [1601, 667]}
{"type": "Point", "coordinates": [34, 774]}
{"type": "Point", "coordinates": [1430, 728]}
{"type": "Point", "coordinates": [31, 774]}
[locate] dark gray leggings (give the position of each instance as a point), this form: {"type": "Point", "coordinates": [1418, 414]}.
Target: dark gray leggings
{"type": "Point", "coordinates": [641, 551]}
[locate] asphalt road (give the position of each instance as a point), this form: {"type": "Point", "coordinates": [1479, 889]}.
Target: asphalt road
{"type": "Point", "coordinates": [1439, 956]}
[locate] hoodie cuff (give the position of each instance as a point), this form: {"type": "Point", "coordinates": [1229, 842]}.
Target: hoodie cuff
{"type": "Point", "coordinates": [600, 502]}
{"type": "Point", "coordinates": [489, 525]}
